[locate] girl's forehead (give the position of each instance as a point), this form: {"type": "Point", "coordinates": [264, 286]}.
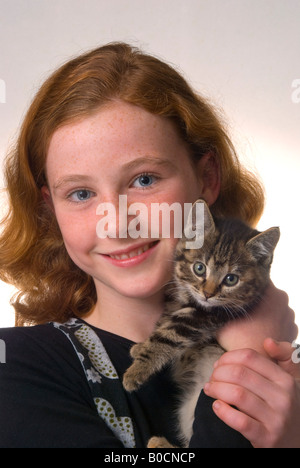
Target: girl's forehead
{"type": "Point", "coordinates": [114, 120]}
{"type": "Point", "coordinates": [116, 132]}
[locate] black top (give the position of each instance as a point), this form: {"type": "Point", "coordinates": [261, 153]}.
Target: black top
{"type": "Point", "coordinates": [46, 402]}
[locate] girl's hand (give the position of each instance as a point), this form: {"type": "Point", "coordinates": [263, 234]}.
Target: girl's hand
{"type": "Point", "coordinates": [286, 355]}
{"type": "Point", "coordinates": [265, 394]}
{"type": "Point", "coordinates": [272, 317]}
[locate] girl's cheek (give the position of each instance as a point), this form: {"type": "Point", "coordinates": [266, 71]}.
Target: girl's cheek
{"type": "Point", "coordinates": [76, 229]}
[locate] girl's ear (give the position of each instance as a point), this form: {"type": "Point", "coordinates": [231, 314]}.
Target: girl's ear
{"type": "Point", "coordinates": [210, 177]}
{"type": "Point", "coordinates": [47, 197]}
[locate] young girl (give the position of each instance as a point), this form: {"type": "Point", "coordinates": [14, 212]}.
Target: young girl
{"type": "Point", "coordinates": [117, 122]}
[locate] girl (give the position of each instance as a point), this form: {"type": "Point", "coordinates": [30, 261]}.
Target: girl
{"type": "Point", "coordinates": [113, 122]}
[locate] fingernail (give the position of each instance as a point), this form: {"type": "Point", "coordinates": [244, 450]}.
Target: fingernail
{"type": "Point", "coordinates": [206, 387]}
{"type": "Point", "coordinates": [216, 405]}
{"type": "Point", "coordinates": [275, 341]}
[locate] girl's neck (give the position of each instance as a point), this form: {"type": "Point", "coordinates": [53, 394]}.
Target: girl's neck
{"type": "Point", "coordinates": [131, 318]}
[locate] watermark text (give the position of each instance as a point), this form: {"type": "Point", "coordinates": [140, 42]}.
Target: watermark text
{"type": "Point", "coordinates": [2, 92]}
{"type": "Point", "coordinates": [296, 353]}
{"type": "Point", "coordinates": [157, 221]}
{"type": "Point", "coordinates": [296, 92]}
{"type": "Point", "coordinates": [2, 352]}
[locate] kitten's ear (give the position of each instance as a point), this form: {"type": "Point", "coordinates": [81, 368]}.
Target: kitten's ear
{"type": "Point", "coordinates": [195, 221]}
{"type": "Point", "coordinates": [263, 245]}
{"type": "Point", "coordinates": [199, 224]}
{"type": "Point", "coordinates": [209, 224]}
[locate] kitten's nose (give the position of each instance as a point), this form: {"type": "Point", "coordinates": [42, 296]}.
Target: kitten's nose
{"type": "Point", "coordinates": [208, 294]}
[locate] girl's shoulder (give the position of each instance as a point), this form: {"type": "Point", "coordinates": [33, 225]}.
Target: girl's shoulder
{"type": "Point", "coordinates": [39, 346]}
{"type": "Point", "coordinates": [20, 334]}
{"type": "Point", "coordinates": [31, 336]}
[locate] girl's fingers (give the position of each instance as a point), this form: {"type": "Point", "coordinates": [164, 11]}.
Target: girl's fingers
{"type": "Point", "coordinates": [249, 359]}
{"type": "Point", "coordinates": [258, 397]}
{"type": "Point", "coordinates": [243, 381]}
{"type": "Point", "coordinates": [282, 353]}
{"type": "Point", "coordinates": [246, 401]}
{"type": "Point", "coordinates": [247, 426]}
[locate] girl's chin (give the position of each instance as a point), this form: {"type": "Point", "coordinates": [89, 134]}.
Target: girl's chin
{"type": "Point", "coordinates": [139, 291]}
{"type": "Point", "coordinates": [142, 286]}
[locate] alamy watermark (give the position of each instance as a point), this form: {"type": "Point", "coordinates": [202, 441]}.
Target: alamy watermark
{"type": "Point", "coordinates": [2, 352]}
{"type": "Point", "coordinates": [160, 220]}
{"type": "Point", "coordinates": [296, 91]}
{"type": "Point", "coordinates": [296, 353]}
{"type": "Point", "coordinates": [2, 92]}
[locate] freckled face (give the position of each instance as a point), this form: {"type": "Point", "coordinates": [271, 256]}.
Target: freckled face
{"type": "Point", "coordinates": [124, 150]}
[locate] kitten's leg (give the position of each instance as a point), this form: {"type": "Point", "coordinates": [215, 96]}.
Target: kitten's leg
{"type": "Point", "coordinates": [159, 442]}
{"type": "Point", "coordinates": [150, 357]}
{"type": "Point", "coordinates": [164, 345]}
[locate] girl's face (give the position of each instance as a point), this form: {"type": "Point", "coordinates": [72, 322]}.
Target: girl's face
{"type": "Point", "coordinates": [120, 150]}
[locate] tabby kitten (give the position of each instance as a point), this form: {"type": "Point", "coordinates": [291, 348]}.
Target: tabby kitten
{"type": "Point", "coordinates": [219, 282]}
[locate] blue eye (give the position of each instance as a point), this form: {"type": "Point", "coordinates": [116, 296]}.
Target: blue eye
{"type": "Point", "coordinates": [80, 195]}
{"type": "Point", "coordinates": [144, 181]}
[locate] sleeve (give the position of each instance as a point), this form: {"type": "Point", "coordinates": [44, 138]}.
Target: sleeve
{"type": "Point", "coordinates": [45, 401]}
{"type": "Point", "coordinates": [210, 432]}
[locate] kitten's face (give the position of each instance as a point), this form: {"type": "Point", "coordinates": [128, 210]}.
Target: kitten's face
{"type": "Point", "coordinates": [232, 268]}
{"type": "Point", "coordinates": [230, 279]}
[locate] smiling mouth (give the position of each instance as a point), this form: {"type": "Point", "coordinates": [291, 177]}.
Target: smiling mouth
{"type": "Point", "coordinates": [133, 253]}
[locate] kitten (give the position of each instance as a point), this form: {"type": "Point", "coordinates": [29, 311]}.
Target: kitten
{"type": "Point", "coordinates": [219, 282]}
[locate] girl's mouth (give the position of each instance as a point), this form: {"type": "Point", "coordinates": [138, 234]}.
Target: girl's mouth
{"type": "Point", "coordinates": [133, 257]}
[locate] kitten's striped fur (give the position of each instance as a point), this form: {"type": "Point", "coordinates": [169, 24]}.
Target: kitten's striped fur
{"type": "Point", "coordinates": [220, 282]}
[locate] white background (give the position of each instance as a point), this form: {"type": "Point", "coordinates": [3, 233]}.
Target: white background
{"type": "Point", "coordinates": [242, 54]}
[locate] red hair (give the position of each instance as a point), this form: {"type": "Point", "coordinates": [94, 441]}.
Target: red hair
{"type": "Point", "coordinates": [32, 253]}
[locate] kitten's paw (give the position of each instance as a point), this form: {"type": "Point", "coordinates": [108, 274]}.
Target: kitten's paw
{"type": "Point", "coordinates": [129, 383]}
{"type": "Point", "coordinates": [136, 350]}
{"type": "Point", "coordinates": [134, 377]}
{"type": "Point", "coordinates": [159, 442]}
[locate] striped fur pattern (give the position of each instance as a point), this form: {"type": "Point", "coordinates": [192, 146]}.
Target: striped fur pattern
{"type": "Point", "coordinates": [220, 282]}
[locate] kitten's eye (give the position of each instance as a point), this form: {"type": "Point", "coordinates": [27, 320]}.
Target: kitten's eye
{"type": "Point", "coordinates": [231, 280]}
{"type": "Point", "coordinates": [199, 269]}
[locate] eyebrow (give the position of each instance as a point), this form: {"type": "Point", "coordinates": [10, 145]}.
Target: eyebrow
{"type": "Point", "coordinates": [71, 179]}
{"type": "Point", "coordinates": [135, 164]}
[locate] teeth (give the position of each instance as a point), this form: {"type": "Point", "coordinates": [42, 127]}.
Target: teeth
{"type": "Point", "coordinates": [132, 254]}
